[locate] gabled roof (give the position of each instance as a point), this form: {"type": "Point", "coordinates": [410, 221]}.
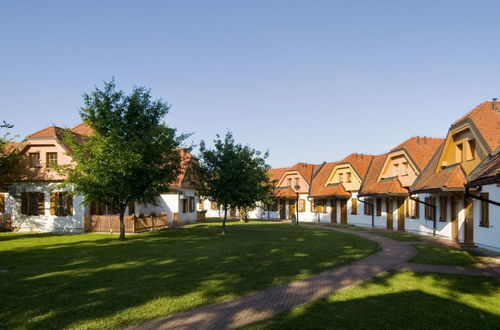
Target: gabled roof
{"type": "Point", "coordinates": [48, 132]}
{"type": "Point", "coordinates": [82, 129]}
{"type": "Point", "coordinates": [449, 178]}
{"type": "Point", "coordinates": [319, 187]}
{"type": "Point", "coordinates": [276, 173]}
{"type": "Point", "coordinates": [420, 149]}
{"type": "Point", "coordinates": [284, 192]}
{"type": "Point", "coordinates": [486, 120]}
{"type": "Point", "coordinates": [359, 162]}
{"type": "Point", "coordinates": [370, 186]}
{"type": "Point", "coordinates": [186, 158]}
{"type": "Point", "coordinates": [487, 171]}
{"type": "Point", "coordinates": [305, 170]}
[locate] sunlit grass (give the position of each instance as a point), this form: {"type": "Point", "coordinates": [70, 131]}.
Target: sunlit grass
{"type": "Point", "coordinates": [397, 236]}
{"type": "Point", "coordinates": [443, 255]}
{"type": "Point", "coordinates": [95, 281]}
{"type": "Point", "coordinates": [400, 301]}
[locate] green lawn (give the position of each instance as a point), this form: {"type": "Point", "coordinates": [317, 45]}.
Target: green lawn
{"type": "Point", "coordinates": [397, 236]}
{"type": "Point", "coordinates": [400, 301]}
{"type": "Point", "coordinates": [443, 255]}
{"type": "Point", "coordinates": [95, 281]}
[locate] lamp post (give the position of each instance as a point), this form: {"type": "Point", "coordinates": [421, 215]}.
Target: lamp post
{"type": "Point", "coordinates": [297, 188]}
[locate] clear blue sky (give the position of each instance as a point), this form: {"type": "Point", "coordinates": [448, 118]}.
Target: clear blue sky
{"type": "Point", "coordinates": [307, 80]}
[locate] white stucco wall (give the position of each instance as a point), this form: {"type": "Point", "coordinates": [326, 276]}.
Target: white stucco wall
{"type": "Point", "coordinates": [488, 237]}
{"type": "Point", "coordinates": [170, 203]}
{"type": "Point", "coordinates": [44, 223]}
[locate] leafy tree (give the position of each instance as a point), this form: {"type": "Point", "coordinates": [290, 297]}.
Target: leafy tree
{"type": "Point", "coordinates": [131, 155]}
{"type": "Point", "coordinates": [8, 158]}
{"type": "Point", "coordinates": [232, 175]}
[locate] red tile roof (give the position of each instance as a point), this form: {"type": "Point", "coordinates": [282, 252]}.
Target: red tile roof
{"type": "Point", "coordinates": [48, 132]}
{"type": "Point", "coordinates": [420, 149]}
{"type": "Point", "coordinates": [276, 173]}
{"type": "Point", "coordinates": [487, 122]}
{"type": "Point", "coordinates": [284, 192]}
{"type": "Point", "coordinates": [359, 163]}
{"type": "Point", "coordinates": [370, 186]}
{"type": "Point", "coordinates": [82, 129]}
{"type": "Point", "coordinates": [305, 170]}
{"type": "Point", "coordinates": [318, 188]}
{"type": "Point", "coordinates": [489, 169]}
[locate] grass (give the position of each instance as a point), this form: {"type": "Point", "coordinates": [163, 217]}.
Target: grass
{"type": "Point", "coordinates": [397, 236]}
{"type": "Point", "coordinates": [400, 301]}
{"type": "Point", "coordinates": [443, 255]}
{"type": "Point", "coordinates": [94, 281]}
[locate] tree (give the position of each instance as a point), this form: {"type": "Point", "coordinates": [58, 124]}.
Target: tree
{"type": "Point", "coordinates": [8, 157]}
{"type": "Point", "coordinates": [131, 155]}
{"type": "Point", "coordinates": [232, 175]}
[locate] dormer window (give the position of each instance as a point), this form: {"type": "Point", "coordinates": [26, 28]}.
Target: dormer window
{"type": "Point", "coordinates": [396, 169]}
{"type": "Point", "coordinates": [296, 181]}
{"type": "Point", "coordinates": [471, 149]}
{"type": "Point", "coordinates": [341, 177]}
{"type": "Point", "coordinates": [459, 153]}
{"type": "Point", "coordinates": [51, 159]}
{"type": "Point", "coordinates": [289, 182]}
{"type": "Point", "coordinates": [34, 158]}
{"type": "Point", "coordinates": [405, 168]}
{"type": "Point", "coordinates": [348, 177]}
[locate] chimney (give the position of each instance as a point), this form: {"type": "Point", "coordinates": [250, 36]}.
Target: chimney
{"type": "Point", "coordinates": [418, 139]}
{"type": "Point", "coordinates": [425, 139]}
{"type": "Point", "coordinates": [494, 106]}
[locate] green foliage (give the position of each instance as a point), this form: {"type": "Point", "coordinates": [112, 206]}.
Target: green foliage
{"type": "Point", "coordinates": [131, 156]}
{"type": "Point", "coordinates": [8, 158]}
{"type": "Point", "coordinates": [232, 175]}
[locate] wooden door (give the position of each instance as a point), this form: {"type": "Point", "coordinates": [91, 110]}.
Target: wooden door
{"type": "Point", "coordinates": [343, 211]}
{"type": "Point", "coordinates": [469, 220]}
{"type": "Point", "coordinates": [333, 215]}
{"type": "Point", "coordinates": [454, 218]}
{"type": "Point", "coordinates": [282, 209]}
{"type": "Point", "coordinates": [401, 214]}
{"type": "Point", "coordinates": [389, 210]}
{"type": "Point", "coordinates": [291, 208]}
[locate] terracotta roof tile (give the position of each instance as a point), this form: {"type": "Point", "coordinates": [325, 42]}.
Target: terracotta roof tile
{"type": "Point", "coordinates": [318, 188]}
{"type": "Point", "coordinates": [487, 122]}
{"type": "Point", "coordinates": [359, 163]}
{"type": "Point", "coordinates": [48, 132]}
{"type": "Point", "coordinates": [276, 173]}
{"type": "Point", "coordinates": [82, 129]}
{"type": "Point", "coordinates": [284, 192]}
{"type": "Point", "coordinates": [305, 170]}
{"type": "Point", "coordinates": [489, 168]}
{"type": "Point", "coordinates": [420, 149]}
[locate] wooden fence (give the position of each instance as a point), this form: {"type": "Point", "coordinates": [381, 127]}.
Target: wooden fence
{"type": "Point", "coordinates": [5, 222]}
{"type": "Point", "coordinates": [133, 223]}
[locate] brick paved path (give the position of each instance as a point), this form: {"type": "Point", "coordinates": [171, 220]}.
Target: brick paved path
{"type": "Point", "coordinates": [269, 302]}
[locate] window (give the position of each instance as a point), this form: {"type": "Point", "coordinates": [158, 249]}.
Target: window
{"type": "Point", "coordinates": [459, 153]}
{"type": "Point", "coordinates": [414, 208]}
{"type": "Point", "coordinates": [191, 204]}
{"type": "Point", "coordinates": [201, 205]}
{"type": "Point", "coordinates": [313, 206]}
{"type": "Point", "coordinates": [32, 203]}
{"type": "Point", "coordinates": [213, 205]}
{"type": "Point", "coordinates": [296, 181]}
{"type": "Point", "coordinates": [34, 158]}
{"type": "Point", "coordinates": [185, 205]}
{"type": "Point", "coordinates": [471, 149]}
{"type": "Point", "coordinates": [289, 182]}
{"type": "Point", "coordinates": [51, 159]}
{"type": "Point", "coordinates": [341, 177]}
{"type": "Point", "coordinates": [302, 205]}
{"type": "Point", "coordinates": [443, 205]}
{"type": "Point", "coordinates": [354, 206]}
{"type": "Point", "coordinates": [321, 208]}
{"type": "Point", "coordinates": [396, 169]}
{"type": "Point", "coordinates": [379, 207]}
{"type": "Point", "coordinates": [348, 177]}
{"type": "Point", "coordinates": [406, 166]}
{"type": "Point", "coordinates": [61, 204]}
{"type": "Point", "coordinates": [485, 216]}
{"type": "Point", "coordinates": [430, 208]}
{"type": "Point", "coordinates": [368, 206]}
{"type": "Point", "coordinates": [274, 205]}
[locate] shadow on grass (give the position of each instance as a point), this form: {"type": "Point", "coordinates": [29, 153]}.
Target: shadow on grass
{"type": "Point", "coordinates": [381, 304]}
{"type": "Point", "coordinates": [433, 254]}
{"type": "Point", "coordinates": [96, 281]}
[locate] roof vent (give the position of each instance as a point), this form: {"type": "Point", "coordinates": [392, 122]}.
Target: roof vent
{"type": "Point", "coordinates": [425, 139]}
{"type": "Point", "coordinates": [418, 139]}
{"type": "Point", "coordinates": [494, 106]}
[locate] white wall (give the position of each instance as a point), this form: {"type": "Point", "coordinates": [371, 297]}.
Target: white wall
{"type": "Point", "coordinates": [170, 203]}
{"type": "Point", "coordinates": [44, 223]}
{"type": "Point", "coordinates": [488, 237]}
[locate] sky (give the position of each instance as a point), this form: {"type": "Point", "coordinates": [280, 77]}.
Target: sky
{"type": "Point", "coordinates": [309, 81]}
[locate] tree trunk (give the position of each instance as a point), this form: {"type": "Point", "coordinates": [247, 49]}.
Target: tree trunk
{"type": "Point", "coordinates": [122, 225]}
{"type": "Point", "coordinates": [224, 221]}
